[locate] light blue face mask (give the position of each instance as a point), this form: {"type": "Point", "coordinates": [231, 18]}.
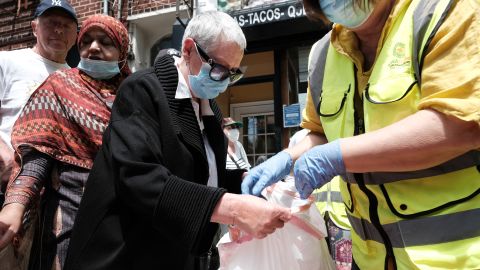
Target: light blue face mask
{"type": "Point", "coordinates": [346, 12]}
{"type": "Point", "coordinates": [99, 69]}
{"type": "Point", "coordinates": [204, 87]}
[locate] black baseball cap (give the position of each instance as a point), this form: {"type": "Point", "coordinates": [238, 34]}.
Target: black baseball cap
{"type": "Point", "coordinates": [59, 4]}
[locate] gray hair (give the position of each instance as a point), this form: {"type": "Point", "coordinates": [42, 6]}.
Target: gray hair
{"type": "Point", "coordinates": [210, 28]}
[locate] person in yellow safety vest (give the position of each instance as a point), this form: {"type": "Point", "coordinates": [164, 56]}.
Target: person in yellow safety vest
{"type": "Point", "coordinates": [393, 106]}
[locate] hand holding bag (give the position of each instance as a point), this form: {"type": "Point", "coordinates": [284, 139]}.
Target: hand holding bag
{"type": "Point", "coordinates": [299, 245]}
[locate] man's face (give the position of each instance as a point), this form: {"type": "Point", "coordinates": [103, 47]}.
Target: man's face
{"type": "Point", "coordinates": [56, 33]}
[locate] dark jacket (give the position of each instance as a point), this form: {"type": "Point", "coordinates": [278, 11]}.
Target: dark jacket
{"type": "Point", "coordinates": [146, 204]}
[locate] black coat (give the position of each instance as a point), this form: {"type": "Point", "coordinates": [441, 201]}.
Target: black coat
{"type": "Point", "coordinates": [146, 204]}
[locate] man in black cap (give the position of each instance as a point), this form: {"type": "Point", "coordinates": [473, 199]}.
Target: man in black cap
{"type": "Point", "coordinates": [22, 71]}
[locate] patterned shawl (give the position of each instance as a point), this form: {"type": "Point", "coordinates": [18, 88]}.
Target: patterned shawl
{"type": "Point", "coordinates": [66, 116]}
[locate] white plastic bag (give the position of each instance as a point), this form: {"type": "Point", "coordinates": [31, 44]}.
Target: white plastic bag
{"type": "Point", "coordinates": [299, 245]}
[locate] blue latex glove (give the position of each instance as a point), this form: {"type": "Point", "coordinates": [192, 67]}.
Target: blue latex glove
{"type": "Point", "coordinates": [271, 171]}
{"type": "Point", "coordinates": [318, 166]}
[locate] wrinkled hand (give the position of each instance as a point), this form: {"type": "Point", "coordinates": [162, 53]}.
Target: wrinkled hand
{"type": "Point", "coordinates": [257, 217]}
{"type": "Point", "coordinates": [317, 167]}
{"type": "Point", "coordinates": [10, 222]}
{"type": "Point", "coordinates": [267, 173]}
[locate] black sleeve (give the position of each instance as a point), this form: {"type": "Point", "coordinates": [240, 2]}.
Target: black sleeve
{"type": "Point", "coordinates": [181, 209]}
{"type": "Point", "coordinates": [234, 180]}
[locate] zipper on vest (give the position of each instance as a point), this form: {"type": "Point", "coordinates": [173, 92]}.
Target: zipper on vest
{"type": "Point", "coordinates": [372, 200]}
{"type": "Point", "coordinates": [359, 127]}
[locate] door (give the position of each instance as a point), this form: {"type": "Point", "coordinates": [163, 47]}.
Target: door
{"type": "Point", "coordinates": [258, 132]}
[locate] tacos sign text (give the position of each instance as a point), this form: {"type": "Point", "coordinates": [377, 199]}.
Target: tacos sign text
{"type": "Point", "coordinates": [269, 15]}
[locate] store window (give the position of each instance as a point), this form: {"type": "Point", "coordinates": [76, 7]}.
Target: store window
{"type": "Point", "coordinates": [258, 132]}
{"type": "Point", "coordinates": [252, 101]}
{"type": "Point", "coordinates": [259, 137]}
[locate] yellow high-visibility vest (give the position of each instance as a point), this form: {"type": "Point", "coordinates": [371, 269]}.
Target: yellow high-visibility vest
{"type": "Point", "coordinates": [425, 219]}
{"type": "Point", "coordinates": [328, 199]}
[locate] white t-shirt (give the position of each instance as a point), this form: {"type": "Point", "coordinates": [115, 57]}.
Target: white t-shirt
{"type": "Point", "coordinates": [21, 72]}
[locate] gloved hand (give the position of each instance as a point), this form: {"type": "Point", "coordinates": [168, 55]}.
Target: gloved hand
{"type": "Point", "coordinates": [267, 173]}
{"type": "Point", "coordinates": [317, 167]}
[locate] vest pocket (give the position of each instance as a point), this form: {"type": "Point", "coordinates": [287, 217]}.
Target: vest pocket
{"type": "Point", "coordinates": [390, 101]}
{"type": "Point", "coordinates": [336, 111]}
{"type": "Point", "coordinates": [331, 103]}
{"type": "Point", "coordinates": [432, 194]}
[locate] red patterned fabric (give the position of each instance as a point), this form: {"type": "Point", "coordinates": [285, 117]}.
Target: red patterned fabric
{"type": "Point", "coordinates": [66, 116]}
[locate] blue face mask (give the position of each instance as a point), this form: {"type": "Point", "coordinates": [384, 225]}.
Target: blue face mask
{"type": "Point", "coordinates": [99, 69]}
{"type": "Point", "coordinates": [203, 86]}
{"type": "Point", "coordinates": [345, 12]}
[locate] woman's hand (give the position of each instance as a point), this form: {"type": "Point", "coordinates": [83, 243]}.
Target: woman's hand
{"type": "Point", "coordinates": [10, 221]}
{"type": "Point", "coordinates": [251, 214]}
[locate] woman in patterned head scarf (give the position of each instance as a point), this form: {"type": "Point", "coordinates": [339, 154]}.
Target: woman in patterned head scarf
{"type": "Point", "coordinates": [56, 139]}
{"type": "Point", "coordinates": [112, 28]}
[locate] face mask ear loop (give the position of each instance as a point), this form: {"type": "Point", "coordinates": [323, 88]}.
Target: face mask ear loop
{"type": "Point", "coordinates": [188, 65]}
{"type": "Point", "coordinates": [200, 57]}
{"type": "Point", "coordinates": [123, 65]}
{"type": "Point", "coordinates": [196, 50]}
{"type": "Point", "coordinates": [189, 70]}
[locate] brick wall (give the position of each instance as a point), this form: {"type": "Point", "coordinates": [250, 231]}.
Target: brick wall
{"type": "Point", "coordinates": [15, 29]}
{"type": "Point", "coordinates": [16, 15]}
{"type": "Point", "coordinates": [144, 6]}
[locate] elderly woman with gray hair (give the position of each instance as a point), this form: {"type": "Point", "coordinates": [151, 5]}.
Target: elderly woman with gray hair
{"type": "Point", "coordinates": [159, 187]}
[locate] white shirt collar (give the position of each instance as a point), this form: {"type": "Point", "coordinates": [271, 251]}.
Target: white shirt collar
{"type": "Point", "coordinates": [182, 88]}
{"type": "Point", "coordinates": [183, 92]}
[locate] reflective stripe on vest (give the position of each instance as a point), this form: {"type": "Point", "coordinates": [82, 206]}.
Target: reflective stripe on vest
{"type": "Point", "coordinates": [329, 199]}
{"type": "Point", "coordinates": [464, 161]}
{"type": "Point", "coordinates": [422, 231]}
{"type": "Point", "coordinates": [316, 68]}
{"type": "Point", "coordinates": [335, 196]}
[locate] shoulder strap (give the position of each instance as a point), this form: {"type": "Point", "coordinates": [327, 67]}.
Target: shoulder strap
{"type": "Point", "coordinates": [316, 68]}
{"type": "Point", "coordinates": [234, 161]}
{"type": "Point", "coordinates": [422, 17]}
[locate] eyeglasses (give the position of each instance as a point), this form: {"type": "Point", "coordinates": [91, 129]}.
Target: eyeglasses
{"type": "Point", "coordinates": [219, 72]}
